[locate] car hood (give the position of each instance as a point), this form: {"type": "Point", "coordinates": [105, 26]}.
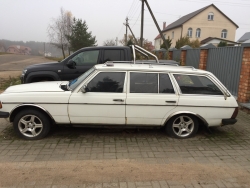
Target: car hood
{"type": "Point", "coordinates": [45, 66]}
{"type": "Point", "coordinates": [53, 86]}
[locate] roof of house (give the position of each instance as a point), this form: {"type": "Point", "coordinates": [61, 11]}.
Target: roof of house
{"type": "Point", "coordinates": [187, 17]}
{"type": "Point", "coordinates": [206, 40]}
{"type": "Point", "coordinates": [245, 37]}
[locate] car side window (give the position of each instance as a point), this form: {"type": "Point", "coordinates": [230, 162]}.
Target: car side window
{"type": "Point", "coordinates": [113, 55]}
{"type": "Point", "coordinates": [143, 82]}
{"type": "Point", "coordinates": [112, 82]}
{"type": "Point", "coordinates": [86, 57]}
{"type": "Point", "coordinates": [165, 85]}
{"type": "Point", "coordinates": [190, 84]}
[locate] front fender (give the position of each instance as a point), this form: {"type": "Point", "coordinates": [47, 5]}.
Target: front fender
{"type": "Point", "coordinates": [49, 74]}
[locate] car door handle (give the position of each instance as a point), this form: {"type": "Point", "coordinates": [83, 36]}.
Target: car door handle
{"type": "Point", "coordinates": [118, 100]}
{"type": "Point", "coordinates": [170, 101]}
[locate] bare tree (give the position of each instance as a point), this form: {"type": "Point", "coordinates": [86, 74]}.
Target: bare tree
{"type": "Point", "coordinates": [109, 42]}
{"type": "Point", "coordinates": [59, 29]}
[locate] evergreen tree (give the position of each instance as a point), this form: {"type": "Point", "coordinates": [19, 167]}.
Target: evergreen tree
{"type": "Point", "coordinates": [222, 44]}
{"type": "Point", "coordinates": [80, 37]}
{"type": "Point", "coordinates": [169, 43]}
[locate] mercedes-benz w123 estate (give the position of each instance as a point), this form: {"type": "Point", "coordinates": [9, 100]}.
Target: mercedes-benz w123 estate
{"type": "Point", "coordinates": [127, 94]}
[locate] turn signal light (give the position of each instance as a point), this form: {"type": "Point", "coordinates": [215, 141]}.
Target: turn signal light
{"type": "Point", "coordinates": [235, 113]}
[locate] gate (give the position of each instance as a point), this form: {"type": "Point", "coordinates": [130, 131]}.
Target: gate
{"type": "Point", "coordinates": [177, 55]}
{"type": "Point", "coordinates": [225, 64]}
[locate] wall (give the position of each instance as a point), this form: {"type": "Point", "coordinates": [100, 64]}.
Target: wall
{"type": "Point", "coordinates": [210, 28]}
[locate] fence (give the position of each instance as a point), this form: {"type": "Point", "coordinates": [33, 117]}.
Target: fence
{"type": "Point", "coordinates": [193, 58]}
{"type": "Point", "coordinates": [177, 55]}
{"type": "Point", "coordinates": [230, 64]}
{"type": "Point", "coordinates": [225, 64]}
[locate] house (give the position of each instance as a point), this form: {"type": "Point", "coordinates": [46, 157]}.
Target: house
{"type": "Point", "coordinates": [215, 41]}
{"type": "Point", "coordinates": [206, 22]}
{"type": "Point", "coordinates": [244, 38]}
{"type": "Point", "coordinates": [17, 49]}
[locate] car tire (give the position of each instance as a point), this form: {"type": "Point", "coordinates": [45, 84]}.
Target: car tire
{"type": "Point", "coordinates": [182, 126]}
{"type": "Point", "coordinates": [31, 124]}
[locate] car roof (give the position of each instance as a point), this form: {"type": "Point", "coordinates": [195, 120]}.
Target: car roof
{"type": "Point", "coordinates": [149, 68]}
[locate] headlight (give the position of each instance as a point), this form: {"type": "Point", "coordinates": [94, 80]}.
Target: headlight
{"type": "Point", "coordinates": [24, 71]}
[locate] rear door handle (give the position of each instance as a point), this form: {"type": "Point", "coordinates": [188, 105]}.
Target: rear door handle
{"type": "Point", "coordinates": [170, 101]}
{"type": "Point", "coordinates": [118, 100]}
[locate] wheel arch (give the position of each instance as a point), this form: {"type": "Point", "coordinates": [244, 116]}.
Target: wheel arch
{"type": "Point", "coordinates": [20, 107]}
{"type": "Point", "coordinates": [199, 117]}
{"type": "Point", "coordinates": [41, 74]}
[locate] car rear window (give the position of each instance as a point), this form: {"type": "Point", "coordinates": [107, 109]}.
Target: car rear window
{"type": "Point", "coordinates": [191, 84]}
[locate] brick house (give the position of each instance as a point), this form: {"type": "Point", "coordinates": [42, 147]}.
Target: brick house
{"type": "Point", "coordinates": [206, 22]}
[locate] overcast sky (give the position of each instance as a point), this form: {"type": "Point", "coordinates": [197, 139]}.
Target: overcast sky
{"type": "Point", "coordinates": [27, 20]}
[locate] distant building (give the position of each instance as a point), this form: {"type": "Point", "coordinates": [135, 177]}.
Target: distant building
{"type": "Point", "coordinates": [17, 49]}
{"type": "Point", "coordinates": [206, 22]}
{"type": "Point", "coordinates": [215, 41]}
{"type": "Point", "coordinates": [244, 38]}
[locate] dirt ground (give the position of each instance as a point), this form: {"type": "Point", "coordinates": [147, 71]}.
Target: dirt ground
{"type": "Point", "coordinates": [93, 171]}
{"type": "Point", "coordinates": [11, 65]}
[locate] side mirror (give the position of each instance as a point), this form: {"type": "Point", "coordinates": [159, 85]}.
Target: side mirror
{"type": "Point", "coordinates": [71, 64]}
{"type": "Point", "coordinates": [84, 89]}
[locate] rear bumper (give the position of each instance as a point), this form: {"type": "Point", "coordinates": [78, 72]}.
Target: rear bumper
{"type": "Point", "coordinates": [4, 114]}
{"type": "Point", "coordinates": [228, 121]}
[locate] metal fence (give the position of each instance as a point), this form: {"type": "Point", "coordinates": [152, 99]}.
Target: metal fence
{"type": "Point", "coordinates": [193, 58]}
{"type": "Point", "coordinates": [225, 64]}
{"type": "Point", "coordinates": [177, 55]}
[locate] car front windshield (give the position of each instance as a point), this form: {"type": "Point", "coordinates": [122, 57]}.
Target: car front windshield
{"type": "Point", "coordinates": [74, 83]}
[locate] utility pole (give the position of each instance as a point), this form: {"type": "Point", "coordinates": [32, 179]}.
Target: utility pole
{"type": "Point", "coordinates": [159, 30]}
{"type": "Point", "coordinates": [132, 34]}
{"type": "Point", "coordinates": [126, 37]}
{"type": "Point", "coordinates": [142, 19]}
{"type": "Point", "coordinates": [116, 41]}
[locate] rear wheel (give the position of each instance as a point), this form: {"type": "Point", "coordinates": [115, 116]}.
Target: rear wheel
{"type": "Point", "coordinates": [182, 126]}
{"type": "Point", "coordinates": [31, 124]}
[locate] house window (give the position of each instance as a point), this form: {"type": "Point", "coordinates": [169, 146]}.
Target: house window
{"type": "Point", "coordinates": [198, 33]}
{"type": "Point", "coordinates": [172, 34]}
{"type": "Point", "coordinates": [224, 33]}
{"type": "Point", "coordinates": [210, 16]}
{"type": "Point", "coordinates": [190, 30]}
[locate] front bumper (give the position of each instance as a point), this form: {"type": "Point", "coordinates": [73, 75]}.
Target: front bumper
{"type": "Point", "coordinates": [4, 114]}
{"type": "Point", "coordinates": [228, 121]}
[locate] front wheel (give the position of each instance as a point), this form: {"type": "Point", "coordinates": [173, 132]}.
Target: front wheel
{"type": "Point", "coordinates": [182, 126]}
{"type": "Point", "coordinates": [31, 124]}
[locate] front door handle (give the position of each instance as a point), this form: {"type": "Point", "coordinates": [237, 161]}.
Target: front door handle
{"type": "Point", "coordinates": [170, 101]}
{"type": "Point", "coordinates": [118, 100]}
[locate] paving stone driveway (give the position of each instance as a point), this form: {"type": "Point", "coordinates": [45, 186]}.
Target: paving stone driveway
{"type": "Point", "coordinates": [81, 157]}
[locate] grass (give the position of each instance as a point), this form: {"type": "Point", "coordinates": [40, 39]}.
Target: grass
{"type": "Point", "coordinates": [3, 53]}
{"type": "Point", "coordinates": [5, 83]}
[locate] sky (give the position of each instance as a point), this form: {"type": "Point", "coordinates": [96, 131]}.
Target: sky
{"type": "Point", "coordinates": [28, 20]}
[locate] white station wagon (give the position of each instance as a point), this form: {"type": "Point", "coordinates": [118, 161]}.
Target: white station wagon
{"type": "Point", "coordinates": [122, 94]}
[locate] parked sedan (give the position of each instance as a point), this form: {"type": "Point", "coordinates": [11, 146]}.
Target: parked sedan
{"type": "Point", "coordinates": [122, 94]}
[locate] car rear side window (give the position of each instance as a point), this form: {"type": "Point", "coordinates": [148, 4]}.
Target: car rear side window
{"type": "Point", "coordinates": [165, 84]}
{"type": "Point", "coordinates": [112, 82]}
{"type": "Point", "coordinates": [148, 83]}
{"type": "Point", "coordinates": [190, 84]}
{"type": "Point", "coordinates": [113, 55]}
{"type": "Point", "coordinates": [143, 82]}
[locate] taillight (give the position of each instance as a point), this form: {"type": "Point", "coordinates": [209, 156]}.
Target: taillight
{"type": "Point", "coordinates": [235, 113]}
{"type": "Point", "coordinates": [1, 105]}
